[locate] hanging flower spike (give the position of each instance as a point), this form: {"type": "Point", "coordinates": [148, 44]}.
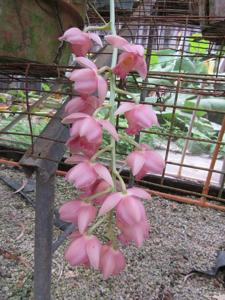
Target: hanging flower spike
{"type": "Point", "coordinates": [86, 104]}
{"type": "Point", "coordinates": [112, 261]}
{"type": "Point", "coordinates": [84, 250]}
{"type": "Point", "coordinates": [81, 42]}
{"type": "Point", "coordinates": [86, 173]}
{"type": "Point", "coordinates": [87, 80]}
{"type": "Point", "coordinates": [132, 59]}
{"type": "Point", "coordinates": [145, 161]}
{"type": "Point", "coordinates": [139, 116]}
{"type": "Point", "coordinates": [78, 213]}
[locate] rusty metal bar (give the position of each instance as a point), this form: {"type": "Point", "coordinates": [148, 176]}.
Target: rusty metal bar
{"type": "Point", "coordinates": [213, 161]}
{"type": "Point", "coordinates": [44, 208]}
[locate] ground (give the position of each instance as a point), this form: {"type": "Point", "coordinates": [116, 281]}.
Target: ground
{"type": "Point", "coordinates": [182, 237]}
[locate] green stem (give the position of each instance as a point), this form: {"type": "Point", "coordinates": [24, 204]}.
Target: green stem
{"type": "Point", "coordinates": [122, 183]}
{"type": "Point", "coordinates": [130, 141]}
{"type": "Point", "coordinates": [107, 148]}
{"type": "Point", "coordinates": [112, 87]}
{"type": "Point", "coordinates": [123, 92]}
{"type": "Point", "coordinates": [99, 222]}
{"type": "Point", "coordinates": [88, 199]}
{"type": "Point", "coordinates": [94, 28]}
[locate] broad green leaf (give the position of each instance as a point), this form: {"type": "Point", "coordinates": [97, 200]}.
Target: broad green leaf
{"type": "Point", "coordinates": [160, 81]}
{"type": "Point", "coordinates": [187, 65]}
{"type": "Point", "coordinates": [192, 104]}
{"type": "Point", "coordinates": [180, 100]}
{"type": "Point", "coordinates": [214, 103]}
{"type": "Point", "coordinates": [197, 44]}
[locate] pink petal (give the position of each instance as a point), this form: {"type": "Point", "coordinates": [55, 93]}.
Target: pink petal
{"type": "Point", "coordinates": [154, 162]}
{"type": "Point", "coordinates": [93, 248]}
{"type": "Point", "coordinates": [86, 63]}
{"type": "Point", "coordinates": [108, 264]}
{"type": "Point", "coordinates": [76, 252]}
{"type": "Point", "coordinates": [82, 175]}
{"type": "Point", "coordinates": [76, 104]}
{"type": "Point", "coordinates": [135, 160]}
{"type": "Point", "coordinates": [140, 193]}
{"type": "Point", "coordinates": [141, 67]}
{"type": "Point", "coordinates": [102, 87]}
{"type": "Point", "coordinates": [109, 127]}
{"type": "Point", "coordinates": [68, 211]}
{"type": "Point", "coordinates": [125, 64]}
{"type": "Point", "coordinates": [95, 38]}
{"type": "Point", "coordinates": [74, 116]}
{"type": "Point", "coordinates": [120, 262]}
{"type": "Point", "coordinates": [103, 173]}
{"type": "Point", "coordinates": [85, 126]}
{"type": "Point", "coordinates": [116, 41]}
{"type": "Point", "coordinates": [137, 49]}
{"type": "Point", "coordinates": [70, 34]}
{"type": "Point", "coordinates": [86, 215]}
{"type": "Point", "coordinates": [124, 108]}
{"type": "Point", "coordinates": [110, 202]}
{"type": "Point", "coordinates": [130, 210]}
{"type": "Point", "coordinates": [85, 80]}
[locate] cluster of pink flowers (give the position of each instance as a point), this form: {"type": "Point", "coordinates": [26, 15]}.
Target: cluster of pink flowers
{"type": "Point", "coordinates": [99, 192]}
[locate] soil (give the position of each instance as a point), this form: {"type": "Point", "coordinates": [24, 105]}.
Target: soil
{"type": "Point", "coordinates": [182, 237]}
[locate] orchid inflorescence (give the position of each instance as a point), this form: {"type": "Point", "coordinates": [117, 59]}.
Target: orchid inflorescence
{"type": "Point", "coordinates": [104, 201]}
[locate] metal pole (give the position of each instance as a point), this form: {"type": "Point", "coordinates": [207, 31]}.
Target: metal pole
{"type": "Point", "coordinates": [44, 209]}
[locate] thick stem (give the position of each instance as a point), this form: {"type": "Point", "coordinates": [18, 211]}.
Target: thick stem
{"type": "Point", "coordinates": [94, 28]}
{"type": "Point", "coordinates": [112, 87]}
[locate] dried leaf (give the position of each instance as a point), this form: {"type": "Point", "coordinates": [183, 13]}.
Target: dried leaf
{"type": "Point", "coordinates": [219, 265]}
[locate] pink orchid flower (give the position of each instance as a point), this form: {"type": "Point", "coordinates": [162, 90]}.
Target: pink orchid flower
{"type": "Point", "coordinates": [84, 250]}
{"type": "Point", "coordinates": [139, 116]}
{"type": "Point", "coordinates": [81, 42]}
{"type": "Point", "coordinates": [85, 104]}
{"type": "Point", "coordinates": [87, 173]}
{"type": "Point", "coordinates": [87, 80]}
{"type": "Point", "coordinates": [112, 261]}
{"type": "Point", "coordinates": [98, 187]}
{"type": "Point", "coordinates": [86, 133]}
{"type": "Point", "coordinates": [145, 161]}
{"type": "Point", "coordinates": [128, 208]}
{"type": "Point", "coordinates": [79, 213]}
{"type": "Point", "coordinates": [132, 59]}
{"type": "Point", "coordinates": [137, 233]}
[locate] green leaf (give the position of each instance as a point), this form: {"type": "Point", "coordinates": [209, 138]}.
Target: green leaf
{"type": "Point", "coordinates": [198, 45]}
{"type": "Point", "coordinates": [212, 103]}
{"type": "Point", "coordinates": [160, 81]}
{"type": "Point", "coordinates": [180, 100]}
{"type": "Point", "coordinates": [187, 65]}
{"type": "Point", "coordinates": [192, 104]}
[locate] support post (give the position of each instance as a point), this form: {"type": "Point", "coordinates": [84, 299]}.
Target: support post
{"type": "Point", "coordinates": [45, 190]}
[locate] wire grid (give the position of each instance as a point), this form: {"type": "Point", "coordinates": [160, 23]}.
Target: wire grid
{"type": "Point", "coordinates": [158, 26]}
